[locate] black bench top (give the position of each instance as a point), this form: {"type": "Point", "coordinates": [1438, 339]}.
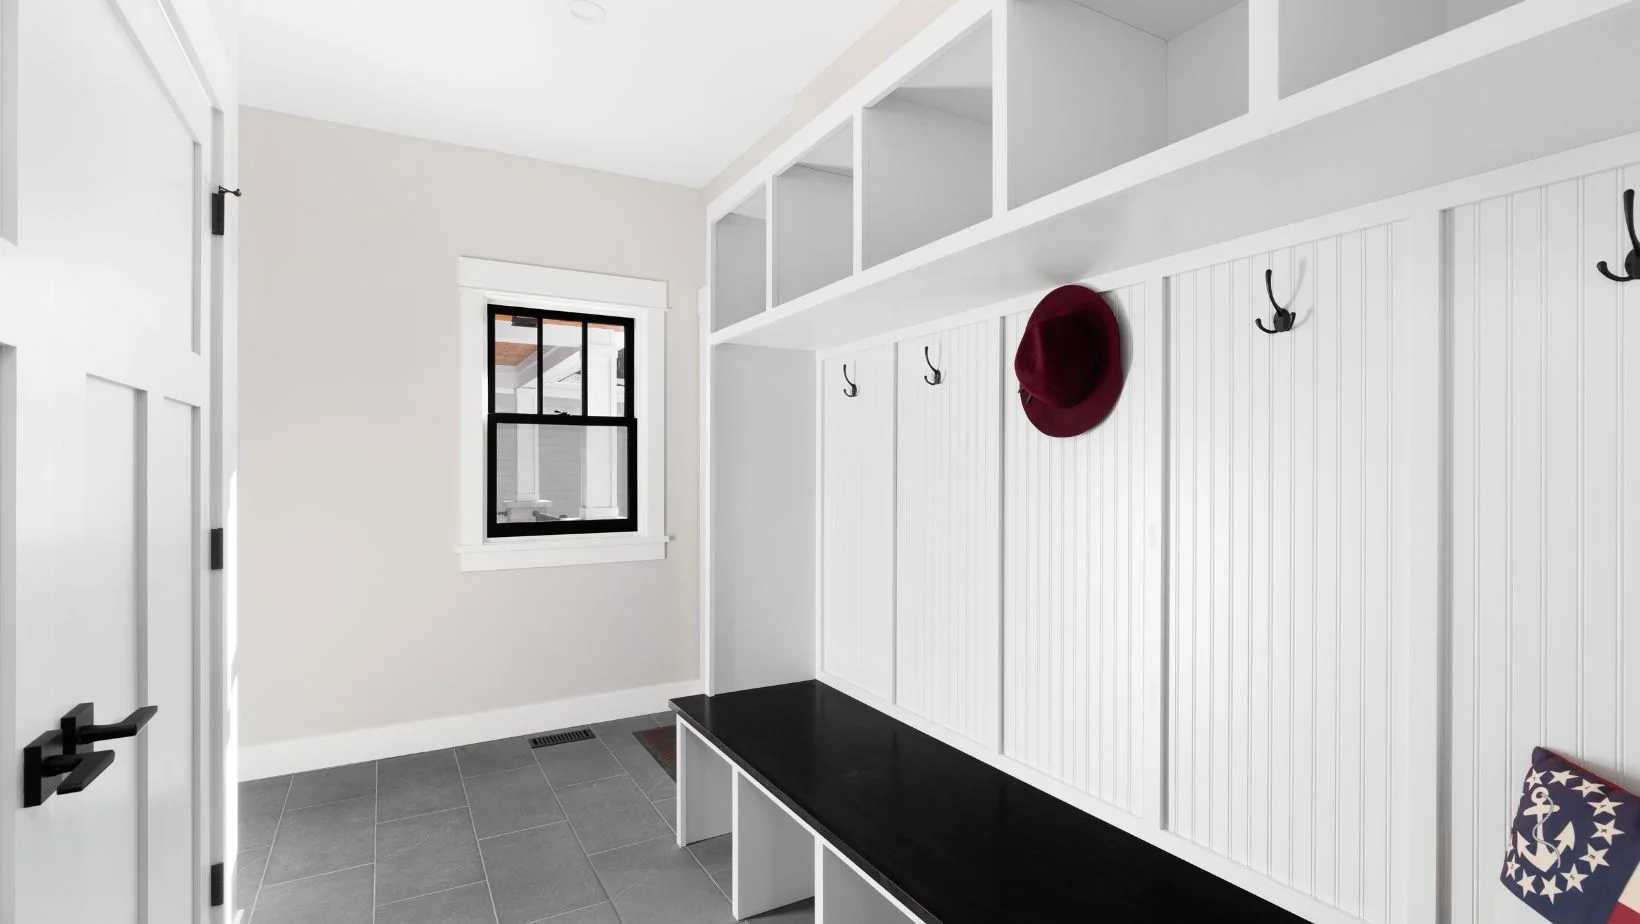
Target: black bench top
{"type": "Point", "coordinates": [953, 838]}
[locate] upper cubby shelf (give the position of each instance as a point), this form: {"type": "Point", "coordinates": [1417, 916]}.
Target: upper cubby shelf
{"type": "Point", "coordinates": [1125, 131]}
{"type": "Point", "coordinates": [927, 151]}
{"type": "Point", "coordinates": [1096, 83]}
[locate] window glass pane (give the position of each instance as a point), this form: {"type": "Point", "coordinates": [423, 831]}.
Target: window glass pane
{"type": "Point", "coordinates": [607, 370]}
{"type": "Point", "coordinates": [546, 473]}
{"type": "Point", "coordinates": [561, 382]}
{"type": "Point", "coordinates": [516, 370]}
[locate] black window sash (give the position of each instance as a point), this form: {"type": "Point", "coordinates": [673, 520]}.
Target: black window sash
{"type": "Point", "coordinates": [627, 421]}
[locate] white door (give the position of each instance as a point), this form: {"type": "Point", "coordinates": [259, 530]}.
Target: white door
{"type": "Point", "coordinates": [110, 290]}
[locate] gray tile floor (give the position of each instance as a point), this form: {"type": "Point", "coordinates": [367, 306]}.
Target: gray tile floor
{"type": "Point", "coordinates": [493, 833]}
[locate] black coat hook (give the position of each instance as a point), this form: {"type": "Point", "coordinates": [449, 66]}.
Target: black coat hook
{"type": "Point", "coordinates": [852, 390]}
{"type": "Point", "coordinates": [1283, 321]}
{"type": "Point", "coordinates": [938, 375]}
{"type": "Point", "coordinates": [1631, 264]}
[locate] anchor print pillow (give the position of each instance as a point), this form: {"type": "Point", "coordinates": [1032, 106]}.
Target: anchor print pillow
{"type": "Point", "coordinates": [1574, 847]}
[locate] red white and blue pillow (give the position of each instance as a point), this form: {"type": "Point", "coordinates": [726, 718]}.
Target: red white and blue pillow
{"type": "Point", "coordinates": [1574, 847]}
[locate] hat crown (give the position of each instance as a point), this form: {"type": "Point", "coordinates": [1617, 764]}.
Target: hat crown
{"type": "Point", "coordinates": [1059, 361]}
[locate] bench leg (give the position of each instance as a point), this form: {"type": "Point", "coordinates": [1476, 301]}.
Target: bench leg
{"type": "Point", "coordinates": [705, 790]}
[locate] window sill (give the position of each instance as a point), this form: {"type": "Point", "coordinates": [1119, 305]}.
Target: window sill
{"type": "Point", "coordinates": [556, 551]}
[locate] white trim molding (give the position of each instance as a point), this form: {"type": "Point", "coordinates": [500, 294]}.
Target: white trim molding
{"type": "Point", "coordinates": [486, 282]}
{"type": "Point", "coordinates": [317, 753]}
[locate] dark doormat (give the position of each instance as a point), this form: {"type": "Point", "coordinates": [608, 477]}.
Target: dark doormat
{"type": "Point", "coordinates": [662, 744]}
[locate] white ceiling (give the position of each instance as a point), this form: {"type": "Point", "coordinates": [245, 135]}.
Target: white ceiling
{"type": "Point", "coordinates": [672, 90]}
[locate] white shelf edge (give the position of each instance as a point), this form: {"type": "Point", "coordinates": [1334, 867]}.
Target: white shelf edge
{"type": "Point", "coordinates": [1498, 32]}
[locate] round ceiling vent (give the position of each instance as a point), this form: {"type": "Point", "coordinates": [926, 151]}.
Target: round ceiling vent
{"type": "Point", "coordinates": [586, 10]}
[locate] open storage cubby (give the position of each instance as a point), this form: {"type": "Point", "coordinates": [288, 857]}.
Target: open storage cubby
{"type": "Point", "coordinates": [773, 854]}
{"type": "Point", "coordinates": [927, 151]}
{"type": "Point", "coordinates": [1096, 83]}
{"type": "Point", "coordinates": [845, 897]}
{"type": "Point", "coordinates": [814, 218]}
{"type": "Point", "coordinates": [1322, 39]}
{"type": "Point", "coordinates": [740, 261]}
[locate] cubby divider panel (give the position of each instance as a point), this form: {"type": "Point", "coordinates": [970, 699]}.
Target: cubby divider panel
{"type": "Point", "coordinates": [927, 151]}
{"type": "Point", "coordinates": [1093, 84]}
{"type": "Point", "coordinates": [706, 789]}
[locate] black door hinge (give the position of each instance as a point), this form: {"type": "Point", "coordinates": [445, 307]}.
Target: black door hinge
{"type": "Point", "coordinates": [219, 887]}
{"type": "Point", "coordinates": [216, 549]}
{"type": "Point", "coordinates": [219, 209]}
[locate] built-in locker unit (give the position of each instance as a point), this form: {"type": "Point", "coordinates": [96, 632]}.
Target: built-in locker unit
{"type": "Point", "coordinates": [1359, 533]}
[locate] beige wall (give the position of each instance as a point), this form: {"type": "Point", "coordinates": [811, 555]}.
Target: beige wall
{"type": "Point", "coordinates": [891, 32]}
{"type": "Point", "coordinates": [353, 614]}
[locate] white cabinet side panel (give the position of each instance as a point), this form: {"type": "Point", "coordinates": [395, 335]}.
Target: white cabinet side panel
{"type": "Point", "coordinates": [763, 517]}
{"type": "Point", "coordinates": [857, 529]}
{"type": "Point", "coordinates": [1075, 572]}
{"type": "Point", "coordinates": [1545, 512]}
{"type": "Point", "coordinates": [948, 531]}
{"type": "Point", "coordinates": [1281, 655]}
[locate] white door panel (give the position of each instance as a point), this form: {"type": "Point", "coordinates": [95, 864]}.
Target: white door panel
{"type": "Point", "coordinates": [105, 412]}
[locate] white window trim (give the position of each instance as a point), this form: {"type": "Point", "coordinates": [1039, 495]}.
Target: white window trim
{"type": "Point", "coordinates": [486, 282]}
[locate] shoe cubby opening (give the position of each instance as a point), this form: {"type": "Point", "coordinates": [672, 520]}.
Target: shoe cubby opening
{"type": "Point", "coordinates": [1092, 84]}
{"type": "Point", "coordinates": [927, 151]}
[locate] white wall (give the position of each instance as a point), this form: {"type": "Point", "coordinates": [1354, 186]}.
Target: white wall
{"type": "Point", "coordinates": [354, 615]}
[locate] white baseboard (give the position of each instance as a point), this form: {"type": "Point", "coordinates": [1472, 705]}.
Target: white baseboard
{"type": "Point", "coordinates": [294, 756]}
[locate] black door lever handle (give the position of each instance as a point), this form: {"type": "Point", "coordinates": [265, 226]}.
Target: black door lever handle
{"type": "Point", "coordinates": [125, 728]}
{"type": "Point", "coordinates": [63, 761]}
{"type": "Point", "coordinates": [81, 769]}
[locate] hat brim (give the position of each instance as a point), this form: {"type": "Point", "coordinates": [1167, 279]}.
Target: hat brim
{"type": "Point", "coordinates": [1089, 307]}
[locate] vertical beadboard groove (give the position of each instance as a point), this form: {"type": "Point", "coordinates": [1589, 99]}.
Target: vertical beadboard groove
{"type": "Point", "coordinates": [1540, 558]}
{"type": "Point", "coordinates": [1282, 665]}
{"type": "Point", "coordinates": [948, 631]}
{"type": "Point", "coordinates": [1073, 669]}
{"type": "Point", "coordinates": [857, 535]}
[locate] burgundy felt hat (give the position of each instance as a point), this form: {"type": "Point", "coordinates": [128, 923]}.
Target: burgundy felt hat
{"type": "Point", "coordinates": [1069, 363]}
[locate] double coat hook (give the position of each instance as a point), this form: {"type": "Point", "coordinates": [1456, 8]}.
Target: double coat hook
{"type": "Point", "coordinates": [852, 390]}
{"type": "Point", "coordinates": [938, 375]}
{"type": "Point", "coordinates": [1283, 321]}
{"type": "Point", "coordinates": [1631, 264]}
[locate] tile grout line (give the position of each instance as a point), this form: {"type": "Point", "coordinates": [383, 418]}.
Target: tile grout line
{"type": "Point", "coordinates": [260, 883]}
{"type": "Point", "coordinates": [411, 898]}
{"type": "Point", "coordinates": [394, 821]}
{"type": "Point", "coordinates": [689, 849]}
{"type": "Point", "coordinates": [561, 914]}
{"type": "Point", "coordinates": [491, 837]}
{"type": "Point", "coordinates": [483, 866]}
{"type": "Point", "coordinates": [328, 872]}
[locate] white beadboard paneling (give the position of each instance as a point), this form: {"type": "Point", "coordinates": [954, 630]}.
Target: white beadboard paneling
{"type": "Point", "coordinates": [857, 521]}
{"type": "Point", "coordinates": [1281, 654]}
{"type": "Point", "coordinates": [1545, 524]}
{"type": "Point", "coordinates": [947, 554]}
{"type": "Point", "coordinates": [1076, 577]}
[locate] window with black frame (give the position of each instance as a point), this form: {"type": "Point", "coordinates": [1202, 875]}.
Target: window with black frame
{"type": "Point", "coordinates": [563, 433]}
